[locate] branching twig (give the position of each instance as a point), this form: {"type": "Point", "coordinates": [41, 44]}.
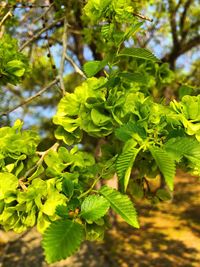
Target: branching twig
{"type": "Point", "coordinates": [37, 35]}
{"type": "Point", "coordinates": [28, 100]}
{"type": "Point", "coordinates": [75, 66]}
{"type": "Point", "coordinates": [183, 17]}
{"type": "Point", "coordinates": [62, 61]}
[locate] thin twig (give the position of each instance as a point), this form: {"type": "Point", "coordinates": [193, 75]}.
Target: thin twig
{"type": "Point", "coordinates": [43, 14]}
{"type": "Point", "coordinates": [37, 35]}
{"type": "Point", "coordinates": [22, 185]}
{"type": "Point", "coordinates": [62, 61]}
{"type": "Point", "coordinates": [8, 14]}
{"type": "Point", "coordinates": [142, 17]}
{"type": "Point", "coordinates": [75, 66]}
{"type": "Point", "coordinates": [39, 162]}
{"type": "Point", "coordinates": [28, 100]}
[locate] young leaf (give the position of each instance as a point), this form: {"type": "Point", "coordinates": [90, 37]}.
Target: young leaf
{"type": "Point", "coordinates": [121, 204]}
{"type": "Point", "coordinates": [8, 183]}
{"type": "Point", "coordinates": [166, 165]}
{"type": "Point", "coordinates": [68, 187]}
{"type": "Point", "coordinates": [139, 53]}
{"type": "Point", "coordinates": [134, 77]}
{"type": "Point", "coordinates": [163, 194]}
{"type": "Point", "coordinates": [92, 67]}
{"type": "Point", "coordinates": [15, 67]}
{"type": "Point", "coordinates": [94, 207]}
{"type": "Point", "coordinates": [124, 166]}
{"type": "Point", "coordinates": [129, 131]}
{"type": "Point", "coordinates": [61, 239]}
{"type": "Point", "coordinates": [183, 146]}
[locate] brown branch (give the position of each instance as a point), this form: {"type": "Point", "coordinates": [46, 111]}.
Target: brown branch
{"type": "Point", "coordinates": [171, 58]}
{"type": "Point", "coordinates": [173, 25]}
{"type": "Point", "coordinates": [37, 35]}
{"type": "Point", "coordinates": [142, 17]}
{"type": "Point", "coordinates": [184, 13]}
{"type": "Point", "coordinates": [191, 27]}
{"type": "Point", "coordinates": [189, 45]}
{"type": "Point", "coordinates": [178, 5]}
{"type": "Point", "coordinates": [28, 100]}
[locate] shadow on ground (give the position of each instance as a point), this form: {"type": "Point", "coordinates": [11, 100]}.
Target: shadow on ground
{"type": "Point", "coordinates": [169, 237]}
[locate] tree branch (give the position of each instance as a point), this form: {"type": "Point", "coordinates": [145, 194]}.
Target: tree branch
{"type": "Point", "coordinates": [184, 13]}
{"type": "Point", "coordinates": [37, 35]}
{"type": "Point", "coordinates": [172, 18]}
{"type": "Point", "coordinates": [28, 100]}
{"type": "Point", "coordinates": [178, 5]}
{"type": "Point", "coordinates": [189, 45]}
{"type": "Point", "coordinates": [142, 17]}
{"type": "Point", "coordinates": [75, 66]}
{"type": "Point", "coordinates": [171, 58]}
{"type": "Point", "coordinates": [62, 61]}
{"type": "Point", "coordinates": [43, 14]}
{"type": "Point", "coordinates": [8, 14]}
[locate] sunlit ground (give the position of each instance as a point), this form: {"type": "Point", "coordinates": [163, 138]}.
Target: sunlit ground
{"type": "Point", "coordinates": [169, 236]}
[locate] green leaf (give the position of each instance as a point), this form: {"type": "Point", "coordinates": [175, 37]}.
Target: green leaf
{"type": "Point", "coordinates": [99, 118]}
{"type": "Point", "coordinates": [166, 165]}
{"type": "Point", "coordinates": [94, 207]}
{"type": "Point", "coordinates": [184, 90]}
{"type": "Point", "coordinates": [183, 147]}
{"type": "Point", "coordinates": [163, 194]}
{"type": "Point", "coordinates": [8, 183]}
{"type": "Point", "coordinates": [121, 204]}
{"type": "Point", "coordinates": [94, 232]}
{"type": "Point", "coordinates": [132, 30]}
{"type": "Point", "coordinates": [124, 166]}
{"type": "Point", "coordinates": [62, 211]}
{"type": "Point", "coordinates": [129, 131]}
{"type": "Point", "coordinates": [61, 239]}
{"type": "Point", "coordinates": [15, 67]}
{"type": "Point", "coordinates": [93, 67]}
{"type": "Point", "coordinates": [139, 53]}
{"type": "Point", "coordinates": [68, 187]}
{"type": "Point", "coordinates": [134, 77]}
{"type": "Point", "coordinates": [137, 190]}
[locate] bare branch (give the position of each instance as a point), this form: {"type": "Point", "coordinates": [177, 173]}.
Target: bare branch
{"type": "Point", "coordinates": [28, 100]}
{"type": "Point", "coordinates": [8, 14]}
{"type": "Point", "coordinates": [172, 13]}
{"type": "Point", "coordinates": [142, 17]}
{"type": "Point", "coordinates": [185, 32]}
{"type": "Point", "coordinates": [178, 5]}
{"type": "Point", "coordinates": [62, 61]}
{"type": "Point", "coordinates": [37, 35]}
{"type": "Point", "coordinates": [182, 18]}
{"type": "Point", "coordinates": [172, 57]}
{"type": "Point", "coordinates": [43, 14]}
{"type": "Point", "coordinates": [75, 66]}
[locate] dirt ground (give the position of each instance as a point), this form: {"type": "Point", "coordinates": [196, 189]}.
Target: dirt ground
{"type": "Point", "coordinates": [169, 237]}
